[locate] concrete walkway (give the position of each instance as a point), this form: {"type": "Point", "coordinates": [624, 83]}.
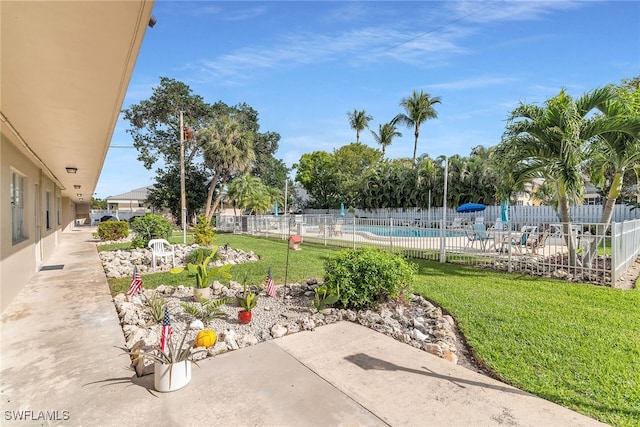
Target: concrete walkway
{"type": "Point", "coordinates": [61, 364]}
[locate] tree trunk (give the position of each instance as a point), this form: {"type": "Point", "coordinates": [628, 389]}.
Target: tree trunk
{"type": "Point", "coordinates": [212, 188]}
{"type": "Point", "coordinates": [567, 230]}
{"type": "Point", "coordinates": [219, 197]}
{"type": "Point", "coordinates": [415, 145]}
{"type": "Point", "coordinates": [605, 219]}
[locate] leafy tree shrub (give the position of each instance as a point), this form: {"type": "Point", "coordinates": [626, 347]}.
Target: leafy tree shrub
{"type": "Point", "coordinates": [138, 242]}
{"type": "Point", "coordinates": [113, 230]}
{"type": "Point", "coordinates": [151, 227]}
{"type": "Point", "coordinates": [363, 278]}
{"type": "Point", "coordinates": [203, 233]}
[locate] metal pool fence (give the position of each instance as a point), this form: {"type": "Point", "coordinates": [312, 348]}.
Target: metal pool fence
{"type": "Point", "coordinates": [584, 252]}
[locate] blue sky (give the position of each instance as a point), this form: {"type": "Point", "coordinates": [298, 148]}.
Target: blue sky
{"type": "Point", "coordinates": [304, 65]}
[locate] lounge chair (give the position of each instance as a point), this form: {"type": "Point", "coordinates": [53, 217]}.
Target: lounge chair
{"type": "Point", "coordinates": [498, 225]}
{"type": "Point", "coordinates": [477, 233]}
{"type": "Point", "coordinates": [457, 223]}
{"type": "Point", "coordinates": [538, 241]}
{"type": "Point", "coordinates": [520, 241]}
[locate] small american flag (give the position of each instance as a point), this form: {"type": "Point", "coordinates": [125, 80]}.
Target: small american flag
{"type": "Point", "coordinates": [136, 282]}
{"type": "Point", "coordinates": [166, 331]}
{"type": "Point", "coordinates": [271, 286]}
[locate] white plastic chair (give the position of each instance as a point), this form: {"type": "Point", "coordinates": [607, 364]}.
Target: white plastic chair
{"type": "Point", "coordinates": [160, 248]}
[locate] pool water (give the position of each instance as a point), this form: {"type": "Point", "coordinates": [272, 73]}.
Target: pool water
{"type": "Point", "coordinates": [401, 231]}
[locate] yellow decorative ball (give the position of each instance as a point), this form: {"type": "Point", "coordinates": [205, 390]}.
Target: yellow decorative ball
{"type": "Point", "coordinates": [206, 338]}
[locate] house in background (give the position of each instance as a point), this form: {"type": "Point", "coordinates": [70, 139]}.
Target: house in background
{"type": "Point", "coordinates": [64, 76]}
{"type": "Point", "coordinates": [123, 206]}
{"type": "Point", "coordinates": [133, 200]}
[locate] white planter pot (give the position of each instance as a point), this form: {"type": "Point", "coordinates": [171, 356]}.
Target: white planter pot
{"type": "Point", "coordinates": [170, 377]}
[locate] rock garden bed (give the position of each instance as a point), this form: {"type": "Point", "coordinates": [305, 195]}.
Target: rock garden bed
{"type": "Point", "coordinates": [417, 323]}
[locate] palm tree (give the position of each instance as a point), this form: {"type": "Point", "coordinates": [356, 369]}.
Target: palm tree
{"type": "Point", "coordinates": [228, 150]}
{"type": "Point", "coordinates": [385, 135]}
{"type": "Point", "coordinates": [419, 108]}
{"type": "Point", "coordinates": [359, 121]}
{"type": "Point", "coordinates": [550, 142]}
{"type": "Point", "coordinates": [618, 150]}
{"type": "Point", "coordinates": [242, 189]}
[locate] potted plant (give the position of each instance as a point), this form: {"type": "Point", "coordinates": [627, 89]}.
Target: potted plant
{"type": "Point", "coordinates": [248, 301]}
{"type": "Point", "coordinates": [203, 274]}
{"type": "Point", "coordinates": [172, 367]}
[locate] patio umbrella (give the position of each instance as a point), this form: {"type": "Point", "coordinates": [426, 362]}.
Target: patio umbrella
{"type": "Point", "coordinates": [341, 209]}
{"type": "Point", "coordinates": [275, 209]}
{"type": "Point", "coordinates": [471, 207]}
{"type": "Point", "coordinates": [504, 211]}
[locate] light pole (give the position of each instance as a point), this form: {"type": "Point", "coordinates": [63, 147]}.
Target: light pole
{"type": "Point", "coordinates": [183, 196]}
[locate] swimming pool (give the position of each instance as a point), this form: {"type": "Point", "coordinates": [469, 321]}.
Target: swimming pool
{"type": "Point", "coordinates": [401, 231]}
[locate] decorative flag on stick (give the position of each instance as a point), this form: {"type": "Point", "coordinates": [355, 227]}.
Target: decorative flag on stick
{"type": "Point", "coordinates": [136, 282]}
{"type": "Point", "coordinates": [166, 331]}
{"type": "Point", "coordinates": [271, 286]}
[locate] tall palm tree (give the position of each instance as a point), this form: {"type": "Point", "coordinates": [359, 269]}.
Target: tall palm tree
{"type": "Point", "coordinates": [385, 135]}
{"type": "Point", "coordinates": [419, 108]}
{"type": "Point", "coordinates": [228, 150]}
{"type": "Point", "coordinates": [550, 142]}
{"type": "Point", "coordinates": [359, 121]}
{"type": "Point", "coordinates": [618, 149]}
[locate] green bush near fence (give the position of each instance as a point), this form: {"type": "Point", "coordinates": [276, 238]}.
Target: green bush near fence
{"type": "Point", "coordinates": [365, 277]}
{"type": "Point", "coordinates": [150, 227]}
{"type": "Point", "coordinates": [113, 230]}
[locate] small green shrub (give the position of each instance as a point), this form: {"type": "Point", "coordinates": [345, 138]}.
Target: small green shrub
{"type": "Point", "coordinates": [197, 255]}
{"type": "Point", "coordinates": [363, 278]}
{"type": "Point", "coordinates": [324, 298]}
{"type": "Point", "coordinates": [138, 242]}
{"type": "Point", "coordinates": [151, 227]}
{"type": "Point", "coordinates": [206, 309]}
{"type": "Point", "coordinates": [203, 232]}
{"type": "Point", "coordinates": [113, 230]}
{"type": "Point", "coordinates": [155, 307]}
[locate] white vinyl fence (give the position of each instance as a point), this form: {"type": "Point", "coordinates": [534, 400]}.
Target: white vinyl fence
{"type": "Point", "coordinates": [580, 251]}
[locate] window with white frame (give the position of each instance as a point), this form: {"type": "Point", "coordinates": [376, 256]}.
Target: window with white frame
{"type": "Point", "coordinates": [17, 207]}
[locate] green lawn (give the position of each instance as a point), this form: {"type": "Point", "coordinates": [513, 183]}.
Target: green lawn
{"type": "Point", "coordinates": [576, 345]}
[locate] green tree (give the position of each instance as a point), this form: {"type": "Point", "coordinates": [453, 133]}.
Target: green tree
{"type": "Point", "coordinates": [155, 124]}
{"type": "Point", "coordinates": [419, 108]}
{"type": "Point", "coordinates": [550, 142]}
{"type": "Point", "coordinates": [249, 193]}
{"type": "Point", "coordinates": [385, 135]}
{"type": "Point", "coordinates": [156, 134]}
{"type": "Point", "coordinates": [317, 174]}
{"type": "Point", "coordinates": [166, 193]}
{"type": "Point", "coordinates": [349, 164]}
{"type": "Point", "coordinates": [618, 149]}
{"type": "Point", "coordinates": [359, 121]}
{"type": "Point", "coordinates": [97, 203]}
{"type": "Point", "coordinates": [228, 151]}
